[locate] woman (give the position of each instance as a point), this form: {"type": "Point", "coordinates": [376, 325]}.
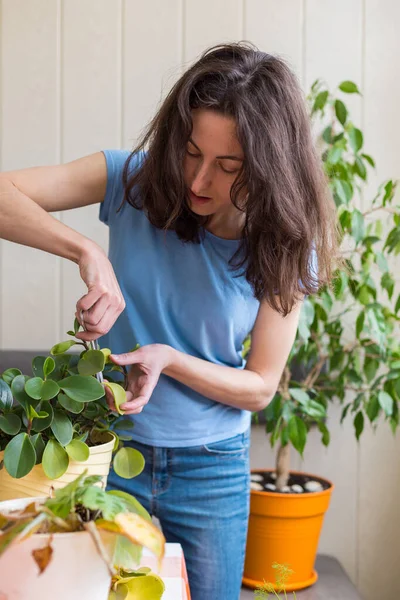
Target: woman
{"type": "Point", "coordinates": [217, 220]}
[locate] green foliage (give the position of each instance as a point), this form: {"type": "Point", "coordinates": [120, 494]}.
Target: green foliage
{"type": "Point", "coordinates": [83, 505]}
{"type": "Point", "coordinates": [282, 574]}
{"type": "Point", "coordinates": [57, 413]}
{"type": "Point", "coordinates": [347, 346]}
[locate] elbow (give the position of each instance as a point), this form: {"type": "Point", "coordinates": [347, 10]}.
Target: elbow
{"type": "Point", "coordinates": [6, 185]}
{"type": "Point", "coordinates": [262, 399]}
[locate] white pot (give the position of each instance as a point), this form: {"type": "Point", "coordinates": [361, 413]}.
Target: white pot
{"type": "Point", "coordinates": [76, 570]}
{"type": "Point", "coordinates": [36, 483]}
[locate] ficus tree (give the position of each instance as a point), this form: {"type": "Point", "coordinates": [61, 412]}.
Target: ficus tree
{"type": "Point", "coordinates": [347, 346]}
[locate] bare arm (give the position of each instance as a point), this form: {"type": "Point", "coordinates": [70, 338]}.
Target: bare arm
{"type": "Point", "coordinates": [249, 389]}
{"type": "Point", "coordinates": [26, 198]}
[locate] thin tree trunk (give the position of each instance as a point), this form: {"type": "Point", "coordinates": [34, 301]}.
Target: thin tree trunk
{"type": "Point", "coordinates": [282, 466]}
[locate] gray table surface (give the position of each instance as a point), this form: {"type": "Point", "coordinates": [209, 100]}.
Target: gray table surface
{"type": "Point", "coordinates": [333, 584]}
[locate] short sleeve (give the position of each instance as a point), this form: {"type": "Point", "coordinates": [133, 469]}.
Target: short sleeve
{"type": "Point", "coordinates": [115, 161]}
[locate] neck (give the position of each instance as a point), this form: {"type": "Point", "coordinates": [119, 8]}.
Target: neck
{"type": "Point", "coordinates": [226, 227]}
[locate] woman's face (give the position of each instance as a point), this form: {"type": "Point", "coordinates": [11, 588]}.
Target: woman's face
{"type": "Point", "coordinates": [213, 160]}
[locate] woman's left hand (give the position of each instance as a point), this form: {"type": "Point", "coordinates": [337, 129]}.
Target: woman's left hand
{"type": "Point", "coordinates": [148, 362]}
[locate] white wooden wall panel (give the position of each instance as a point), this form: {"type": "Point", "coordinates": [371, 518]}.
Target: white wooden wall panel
{"type": "Point", "coordinates": [91, 117]}
{"type": "Point", "coordinates": [339, 464]}
{"type": "Point", "coordinates": [277, 28]}
{"type": "Point", "coordinates": [208, 23]}
{"type": "Point", "coordinates": [29, 136]}
{"type": "Point", "coordinates": [335, 57]}
{"type": "Point", "coordinates": [152, 44]}
{"type": "Point", "coordinates": [81, 75]}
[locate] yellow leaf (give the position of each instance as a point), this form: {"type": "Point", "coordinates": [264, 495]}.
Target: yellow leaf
{"type": "Point", "coordinates": [118, 393]}
{"type": "Point", "coordinates": [146, 587]}
{"type": "Point", "coordinates": [108, 526]}
{"type": "Point", "coordinates": [141, 532]}
{"type": "Point", "coordinates": [106, 352]}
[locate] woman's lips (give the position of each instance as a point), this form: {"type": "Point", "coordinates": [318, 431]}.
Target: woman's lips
{"type": "Point", "coordinates": [199, 199]}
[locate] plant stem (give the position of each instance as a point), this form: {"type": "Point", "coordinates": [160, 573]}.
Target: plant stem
{"type": "Point", "coordinates": [125, 370]}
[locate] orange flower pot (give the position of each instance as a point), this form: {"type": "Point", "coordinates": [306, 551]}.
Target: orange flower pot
{"type": "Point", "coordinates": [284, 528]}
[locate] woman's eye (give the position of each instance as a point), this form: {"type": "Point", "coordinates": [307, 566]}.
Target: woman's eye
{"type": "Point", "coordinates": [229, 171]}
{"type": "Point", "coordinates": [192, 153]}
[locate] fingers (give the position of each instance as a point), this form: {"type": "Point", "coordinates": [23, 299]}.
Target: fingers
{"type": "Point", "coordinates": [136, 405]}
{"type": "Point", "coordinates": [92, 332]}
{"type": "Point", "coordinates": [103, 302]}
{"type": "Point", "coordinates": [96, 313]}
{"type": "Point", "coordinates": [129, 358]}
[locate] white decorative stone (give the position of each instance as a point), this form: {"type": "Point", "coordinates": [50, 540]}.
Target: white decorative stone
{"type": "Point", "coordinates": [285, 489]}
{"type": "Point", "coordinates": [297, 489]}
{"type": "Point", "coordinates": [256, 486]}
{"type": "Point", "coordinates": [270, 486]}
{"type": "Point", "coordinates": [313, 486]}
{"type": "Point", "coordinates": [256, 477]}
{"type": "Point", "coordinates": [272, 475]}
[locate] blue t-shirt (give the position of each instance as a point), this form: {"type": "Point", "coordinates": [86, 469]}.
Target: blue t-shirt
{"type": "Point", "coordinates": [182, 294]}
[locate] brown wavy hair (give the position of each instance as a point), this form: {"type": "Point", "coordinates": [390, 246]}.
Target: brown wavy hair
{"type": "Point", "coordinates": [289, 212]}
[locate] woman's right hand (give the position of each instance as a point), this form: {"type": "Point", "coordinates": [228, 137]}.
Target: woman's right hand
{"type": "Point", "coordinates": [103, 302]}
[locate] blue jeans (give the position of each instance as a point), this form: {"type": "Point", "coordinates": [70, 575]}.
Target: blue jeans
{"type": "Point", "coordinates": [200, 495]}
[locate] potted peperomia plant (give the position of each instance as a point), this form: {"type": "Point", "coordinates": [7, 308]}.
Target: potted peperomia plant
{"type": "Point", "coordinates": [347, 350]}
{"type": "Point", "coordinates": [56, 423]}
{"type": "Point", "coordinates": [82, 543]}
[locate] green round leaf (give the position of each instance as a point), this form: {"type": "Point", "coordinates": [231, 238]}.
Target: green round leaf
{"type": "Point", "coordinates": [123, 425]}
{"type": "Point", "coordinates": [70, 405]}
{"type": "Point", "coordinates": [77, 326]}
{"type": "Point", "coordinates": [6, 399]}
{"type": "Point", "coordinates": [92, 362]}
{"type": "Point", "coordinates": [297, 433]}
{"type": "Point", "coordinates": [33, 387]}
{"type": "Point", "coordinates": [55, 460]}
{"type": "Point", "coordinates": [37, 366]}
{"type": "Point", "coordinates": [349, 87]}
{"type": "Point", "coordinates": [128, 463]}
{"type": "Point", "coordinates": [10, 423]}
{"type": "Point", "coordinates": [18, 390]}
{"type": "Point", "coordinates": [50, 389]}
{"type": "Point", "coordinates": [356, 139]}
{"type": "Point", "coordinates": [341, 111]}
{"type": "Point", "coordinates": [62, 347]}
{"type": "Point", "coordinates": [61, 426]}
{"type": "Point", "coordinates": [359, 424]}
{"type": "Point", "coordinates": [91, 411]}
{"type": "Point", "coordinates": [49, 366]}
{"type": "Point", "coordinates": [300, 395]}
{"type": "Point", "coordinates": [82, 388]}
{"type": "Point", "coordinates": [320, 100]}
{"type": "Point", "coordinates": [42, 423]}
{"type": "Point", "coordinates": [118, 393]}
{"type": "Point", "coordinates": [132, 504]}
{"type": "Point", "coordinates": [19, 456]}
{"type": "Point", "coordinates": [78, 451]}
{"type": "Point", "coordinates": [10, 374]}
{"type": "Point", "coordinates": [39, 445]}
{"type": "Point", "coordinates": [373, 408]}
{"type": "Point", "coordinates": [386, 402]}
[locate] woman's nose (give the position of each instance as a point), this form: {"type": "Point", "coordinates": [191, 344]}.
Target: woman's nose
{"type": "Point", "coordinates": [201, 181]}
